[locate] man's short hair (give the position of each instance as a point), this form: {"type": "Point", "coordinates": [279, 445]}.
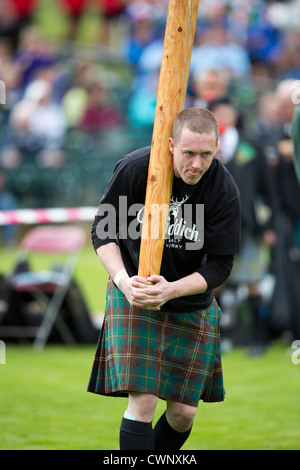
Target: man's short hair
{"type": "Point", "coordinates": [199, 120]}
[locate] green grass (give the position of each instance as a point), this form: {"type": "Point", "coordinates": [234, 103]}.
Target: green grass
{"type": "Point", "coordinates": [44, 403]}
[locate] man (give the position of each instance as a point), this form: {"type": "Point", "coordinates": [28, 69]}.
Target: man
{"type": "Point", "coordinates": [209, 84]}
{"type": "Point", "coordinates": [288, 185]}
{"type": "Point", "coordinates": [286, 299]}
{"type": "Point", "coordinates": [160, 336]}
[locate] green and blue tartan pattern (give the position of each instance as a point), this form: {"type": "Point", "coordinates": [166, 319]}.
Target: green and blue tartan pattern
{"type": "Point", "coordinates": [175, 356]}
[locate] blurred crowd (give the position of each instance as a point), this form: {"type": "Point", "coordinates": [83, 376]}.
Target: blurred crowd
{"type": "Point", "coordinates": [245, 67]}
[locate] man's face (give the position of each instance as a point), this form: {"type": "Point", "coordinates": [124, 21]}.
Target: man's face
{"type": "Point", "coordinates": [192, 155]}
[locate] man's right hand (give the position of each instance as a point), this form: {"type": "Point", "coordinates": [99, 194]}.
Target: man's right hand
{"type": "Point", "coordinates": [131, 286]}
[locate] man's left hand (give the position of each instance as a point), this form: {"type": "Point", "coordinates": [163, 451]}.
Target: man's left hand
{"type": "Point", "coordinates": [153, 296]}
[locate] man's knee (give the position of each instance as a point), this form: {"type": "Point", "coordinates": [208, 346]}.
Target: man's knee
{"type": "Point", "coordinates": [142, 406]}
{"type": "Point", "coordinates": [180, 416]}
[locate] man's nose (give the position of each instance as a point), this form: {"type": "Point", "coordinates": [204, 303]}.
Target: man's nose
{"type": "Point", "coordinates": [197, 162]}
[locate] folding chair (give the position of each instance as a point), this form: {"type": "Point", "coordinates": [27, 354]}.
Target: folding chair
{"type": "Point", "coordinates": [49, 287]}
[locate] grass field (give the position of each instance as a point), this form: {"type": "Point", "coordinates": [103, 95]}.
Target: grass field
{"type": "Point", "coordinates": [44, 403]}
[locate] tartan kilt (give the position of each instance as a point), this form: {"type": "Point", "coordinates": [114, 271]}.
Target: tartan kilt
{"type": "Point", "coordinates": [174, 356]}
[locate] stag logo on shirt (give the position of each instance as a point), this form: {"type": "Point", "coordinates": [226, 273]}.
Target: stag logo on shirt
{"type": "Point", "coordinates": [182, 227]}
{"type": "Point", "coordinates": [175, 204]}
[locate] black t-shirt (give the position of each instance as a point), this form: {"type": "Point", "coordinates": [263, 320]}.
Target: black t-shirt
{"type": "Point", "coordinates": [204, 221]}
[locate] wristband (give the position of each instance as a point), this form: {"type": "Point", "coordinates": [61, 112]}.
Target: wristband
{"type": "Point", "coordinates": [120, 275]}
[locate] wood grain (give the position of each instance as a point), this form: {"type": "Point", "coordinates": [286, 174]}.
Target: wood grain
{"type": "Point", "coordinates": [172, 86]}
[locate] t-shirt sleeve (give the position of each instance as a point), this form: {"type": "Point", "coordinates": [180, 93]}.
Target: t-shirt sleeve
{"type": "Point", "coordinates": [216, 270]}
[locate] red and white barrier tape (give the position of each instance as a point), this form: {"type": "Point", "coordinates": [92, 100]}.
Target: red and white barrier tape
{"type": "Point", "coordinates": [44, 216]}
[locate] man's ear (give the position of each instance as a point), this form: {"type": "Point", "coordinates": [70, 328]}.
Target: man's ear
{"type": "Point", "coordinates": [171, 145]}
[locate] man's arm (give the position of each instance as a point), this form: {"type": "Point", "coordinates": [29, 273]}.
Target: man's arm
{"type": "Point", "coordinates": [111, 259]}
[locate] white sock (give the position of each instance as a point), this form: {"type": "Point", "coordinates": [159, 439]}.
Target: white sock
{"type": "Point", "coordinates": [128, 415]}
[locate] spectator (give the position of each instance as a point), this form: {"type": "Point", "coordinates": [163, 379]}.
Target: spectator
{"type": "Point", "coordinates": [218, 50]}
{"type": "Point", "coordinates": [19, 140]}
{"type": "Point", "coordinates": [264, 41]}
{"type": "Point", "coordinates": [287, 60]}
{"type": "Point", "coordinates": [111, 11]}
{"type": "Point", "coordinates": [74, 104]}
{"type": "Point", "coordinates": [138, 9]}
{"type": "Point", "coordinates": [150, 59]}
{"type": "Point", "coordinates": [208, 85]}
{"type": "Point", "coordinates": [75, 98]}
{"type": "Point", "coordinates": [100, 113]}
{"type": "Point", "coordinates": [10, 73]}
{"type": "Point", "coordinates": [287, 181]}
{"type": "Point", "coordinates": [268, 127]}
{"type": "Point", "coordinates": [286, 256]}
{"type": "Point", "coordinates": [37, 126]}
{"type": "Point", "coordinates": [142, 103]}
{"type": "Point", "coordinates": [33, 55]}
{"type": "Point", "coordinates": [73, 10]}
{"type": "Point", "coordinates": [244, 159]}
{"type": "Point", "coordinates": [15, 15]}
{"type": "Point", "coordinates": [141, 34]}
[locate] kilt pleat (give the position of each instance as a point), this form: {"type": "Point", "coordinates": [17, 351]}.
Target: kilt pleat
{"type": "Point", "coordinates": [175, 356]}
